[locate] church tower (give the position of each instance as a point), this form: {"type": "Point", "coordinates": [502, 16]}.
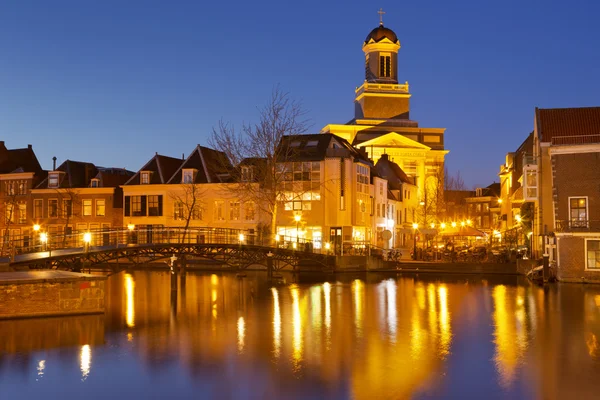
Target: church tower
{"type": "Point", "coordinates": [380, 97]}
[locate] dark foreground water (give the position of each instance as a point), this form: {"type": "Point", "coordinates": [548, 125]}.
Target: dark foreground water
{"type": "Point", "coordinates": [361, 337]}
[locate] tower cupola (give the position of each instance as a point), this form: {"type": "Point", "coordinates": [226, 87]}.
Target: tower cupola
{"type": "Point", "coordinates": [381, 54]}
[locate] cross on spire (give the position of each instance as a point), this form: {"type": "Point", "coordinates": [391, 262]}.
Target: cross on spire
{"type": "Point", "coordinates": [381, 12]}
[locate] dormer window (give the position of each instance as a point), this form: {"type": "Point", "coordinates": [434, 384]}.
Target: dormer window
{"type": "Point", "coordinates": [53, 179]}
{"type": "Point", "coordinates": [312, 143]}
{"type": "Point", "coordinates": [247, 174]}
{"type": "Point", "coordinates": [188, 175]}
{"type": "Point", "coordinates": [95, 183]}
{"type": "Point", "coordinates": [145, 178]}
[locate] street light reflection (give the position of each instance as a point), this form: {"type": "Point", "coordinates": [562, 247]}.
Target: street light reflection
{"type": "Point", "coordinates": [86, 361]}
{"type": "Point", "coordinates": [392, 318]}
{"type": "Point", "coordinates": [297, 325]}
{"type": "Point", "coordinates": [358, 290]}
{"type": "Point", "coordinates": [446, 330]}
{"type": "Point", "coordinates": [276, 323]}
{"type": "Point", "coordinates": [129, 300]}
{"type": "Point", "coordinates": [241, 333]}
{"type": "Point", "coordinates": [327, 296]}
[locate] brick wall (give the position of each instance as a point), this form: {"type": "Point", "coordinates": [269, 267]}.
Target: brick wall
{"type": "Point", "coordinates": [51, 298]}
{"type": "Point", "coordinates": [571, 267]}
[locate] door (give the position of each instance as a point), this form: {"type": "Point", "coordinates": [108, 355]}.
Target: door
{"type": "Point", "coordinates": [335, 237]}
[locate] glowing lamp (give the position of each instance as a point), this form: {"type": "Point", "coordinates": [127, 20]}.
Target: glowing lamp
{"type": "Point", "coordinates": [87, 237]}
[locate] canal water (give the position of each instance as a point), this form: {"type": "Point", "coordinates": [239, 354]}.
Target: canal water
{"type": "Point", "coordinates": [218, 336]}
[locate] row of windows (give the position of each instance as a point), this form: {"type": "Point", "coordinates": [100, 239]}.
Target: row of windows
{"type": "Point", "coordinates": [235, 211]}
{"type": "Point", "coordinates": [64, 208]}
{"type": "Point", "coordinates": [141, 206]}
{"type": "Point", "coordinates": [362, 179]}
{"type": "Point", "coordinates": [12, 188]}
{"type": "Point", "coordinates": [300, 171]}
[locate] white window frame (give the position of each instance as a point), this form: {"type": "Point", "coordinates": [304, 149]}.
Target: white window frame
{"type": "Point", "coordinates": [96, 207]}
{"type": "Point", "coordinates": [585, 254]}
{"type": "Point", "coordinates": [95, 183]}
{"type": "Point", "coordinates": [188, 172]}
{"type": "Point", "coordinates": [40, 201]}
{"type": "Point", "coordinates": [83, 214]}
{"type": "Point", "coordinates": [57, 208]}
{"type": "Point", "coordinates": [145, 178]}
{"type": "Point", "coordinates": [52, 175]}
{"type": "Point", "coordinates": [587, 211]}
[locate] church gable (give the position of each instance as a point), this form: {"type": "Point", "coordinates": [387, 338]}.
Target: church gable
{"type": "Point", "coordinates": [394, 139]}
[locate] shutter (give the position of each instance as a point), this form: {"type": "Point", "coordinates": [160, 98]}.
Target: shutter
{"type": "Point", "coordinates": [143, 212]}
{"type": "Point", "coordinates": [127, 206]}
{"type": "Point", "coordinates": [160, 205]}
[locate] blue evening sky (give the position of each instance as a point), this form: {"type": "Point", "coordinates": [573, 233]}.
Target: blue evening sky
{"type": "Point", "coordinates": [114, 81]}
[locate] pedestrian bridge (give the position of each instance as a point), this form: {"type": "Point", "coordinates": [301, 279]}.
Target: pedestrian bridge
{"type": "Point", "coordinates": [226, 248]}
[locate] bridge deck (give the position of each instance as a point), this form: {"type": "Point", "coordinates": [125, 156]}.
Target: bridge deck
{"type": "Point", "coordinates": [21, 277]}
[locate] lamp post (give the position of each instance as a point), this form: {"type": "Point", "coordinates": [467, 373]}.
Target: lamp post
{"type": "Point", "coordinates": [36, 229]}
{"type": "Point", "coordinates": [241, 239]}
{"type": "Point", "coordinates": [87, 238]}
{"type": "Point", "coordinates": [130, 228]}
{"type": "Point", "coordinates": [415, 226]}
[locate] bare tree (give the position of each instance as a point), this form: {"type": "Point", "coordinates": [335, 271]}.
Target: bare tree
{"type": "Point", "coordinates": [70, 202]}
{"type": "Point", "coordinates": [260, 142]}
{"type": "Point", "coordinates": [187, 204]}
{"type": "Point", "coordinates": [10, 204]}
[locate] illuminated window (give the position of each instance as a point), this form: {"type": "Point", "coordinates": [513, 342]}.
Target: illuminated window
{"type": "Point", "coordinates": [154, 206]}
{"type": "Point", "coordinates": [219, 212]}
{"type": "Point", "coordinates": [145, 178]}
{"type": "Point", "coordinates": [100, 208]}
{"type": "Point", "coordinates": [87, 208]}
{"type": "Point", "coordinates": [136, 206]}
{"type": "Point", "coordinates": [592, 254]}
{"type": "Point", "coordinates": [234, 210]}
{"type": "Point", "coordinates": [578, 213]}
{"type": "Point", "coordinates": [250, 211]}
{"type": "Point", "coordinates": [188, 176]}
{"type": "Point", "coordinates": [53, 180]}
{"type": "Point", "coordinates": [38, 208]}
{"type": "Point", "coordinates": [178, 210]}
{"type": "Point", "coordinates": [22, 213]}
{"type": "Point", "coordinates": [67, 208]}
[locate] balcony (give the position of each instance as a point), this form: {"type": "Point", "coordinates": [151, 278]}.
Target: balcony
{"type": "Point", "coordinates": [563, 225]}
{"type": "Point", "coordinates": [382, 88]}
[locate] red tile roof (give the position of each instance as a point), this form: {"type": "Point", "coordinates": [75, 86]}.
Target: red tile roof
{"type": "Point", "coordinates": [562, 125]}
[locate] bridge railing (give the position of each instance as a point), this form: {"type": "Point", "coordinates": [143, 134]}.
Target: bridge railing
{"type": "Point", "coordinates": [122, 237]}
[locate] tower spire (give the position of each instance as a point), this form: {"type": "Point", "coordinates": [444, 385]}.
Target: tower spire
{"type": "Point", "coordinates": [381, 12]}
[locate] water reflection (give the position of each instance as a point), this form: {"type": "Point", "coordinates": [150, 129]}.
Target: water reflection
{"type": "Point", "coordinates": [356, 337]}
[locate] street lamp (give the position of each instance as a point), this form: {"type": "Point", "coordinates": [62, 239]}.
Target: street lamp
{"type": "Point", "coordinates": [454, 224]}
{"type": "Point", "coordinates": [36, 227]}
{"type": "Point", "coordinates": [443, 225]}
{"type": "Point", "coordinates": [87, 238]}
{"type": "Point", "coordinates": [297, 218]}
{"type": "Point", "coordinates": [415, 226]}
{"type": "Point", "coordinates": [469, 222]}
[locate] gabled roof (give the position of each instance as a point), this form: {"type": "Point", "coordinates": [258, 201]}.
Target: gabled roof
{"type": "Point", "coordinates": [162, 168]}
{"type": "Point", "coordinates": [213, 166]}
{"type": "Point", "coordinates": [77, 174]}
{"type": "Point", "coordinates": [18, 160]}
{"type": "Point", "coordinates": [113, 177]}
{"type": "Point", "coordinates": [317, 147]}
{"type": "Point", "coordinates": [561, 123]}
{"type": "Point", "coordinates": [392, 172]}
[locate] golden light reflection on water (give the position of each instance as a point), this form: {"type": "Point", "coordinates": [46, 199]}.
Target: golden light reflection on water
{"type": "Point", "coordinates": [445, 328]}
{"type": "Point", "coordinates": [296, 325]}
{"type": "Point", "coordinates": [214, 281]}
{"type": "Point", "coordinates": [358, 291]}
{"type": "Point", "coordinates": [510, 337]}
{"type": "Point", "coordinates": [85, 357]}
{"type": "Point", "coordinates": [276, 323]}
{"type": "Point", "coordinates": [129, 300]}
{"type": "Point", "coordinates": [392, 317]}
{"type": "Point", "coordinates": [327, 298]}
{"type": "Point", "coordinates": [241, 333]}
{"type": "Point", "coordinates": [40, 368]}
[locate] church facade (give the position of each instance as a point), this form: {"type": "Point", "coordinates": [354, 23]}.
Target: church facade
{"type": "Point", "coordinates": [382, 124]}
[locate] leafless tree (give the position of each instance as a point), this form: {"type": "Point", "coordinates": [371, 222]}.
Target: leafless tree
{"type": "Point", "coordinates": [70, 207]}
{"type": "Point", "coordinates": [10, 204]}
{"type": "Point", "coordinates": [187, 204]}
{"type": "Point", "coordinates": [260, 142]}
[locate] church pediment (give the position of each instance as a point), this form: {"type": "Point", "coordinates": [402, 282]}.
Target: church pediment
{"type": "Point", "coordinates": [394, 139]}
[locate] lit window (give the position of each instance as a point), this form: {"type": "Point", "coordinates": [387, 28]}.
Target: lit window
{"type": "Point", "coordinates": [22, 213]}
{"type": "Point", "coordinates": [136, 206]}
{"type": "Point", "coordinates": [100, 208]}
{"type": "Point", "coordinates": [10, 213]}
{"type": "Point", "coordinates": [250, 212]}
{"type": "Point", "coordinates": [87, 208]}
{"type": "Point", "coordinates": [578, 212]}
{"type": "Point", "coordinates": [154, 206]}
{"type": "Point", "coordinates": [38, 209]}
{"type": "Point", "coordinates": [234, 210]}
{"type": "Point", "coordinates": [385, 66]}
{"type": "Point", "coordinates": [178, 210]}
{"type": "Point", "coordinates": [197, 212]}
{"type": "Point", "coordinates": [593, 254]}
{"type": "Point", "coordinates": [219, 212]}
{"type": "Point", "coordinates": [67, 207]}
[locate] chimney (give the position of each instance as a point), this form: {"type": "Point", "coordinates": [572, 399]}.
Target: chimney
{"type": "Point", "coordinates": [183, 156]}
{"type": "Point", "coordinates": [53, 163]}
{"type": "Point", "coordinates": [30, 147]}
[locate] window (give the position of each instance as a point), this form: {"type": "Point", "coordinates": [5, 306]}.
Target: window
{"type": "Point", "coordinates": [95, 183]}
{"type": "Point", "coordinates": [38, 209]}
{"type": "Point", "coordinates": [578, 212]}
{"type": "Point", "coordinates": [247, 174]}
{"type": "Point", "coordinates": [178, 210]}
{"type": "Point", "coordinates": [530, 183]}
{"type": "Point", "coordinates": [53, 180]}
{"type": "Point", "coordinates": [136, 206]}
{"type": "Point", "coordinates": [378, 212]}
{"type": "Point", "coordinates": [188, 176]}
{"type": "Point", "coordinates": [362, 179]}
{"type": "Point", "coordinates": [219, 212]}
{"type": "Point", "coordinates": [197, 212]}
{"type": "Point", "coordinates": [87, 208]}
{"type": "Point", "coordinates": [592, 253]}
{"type": "Point", "coordinates": [100, 208]}
{"type": "Point", "coordinates": [67, 207]}
{"type": "Point", "coordinates": [312, 143]}
{"type": "Point", "coordinates": [145, 178]}
{"type": "Point", "coordinates": [22, 187]}
{"type": "Point", "coordinates": [381, 189]}
{"type": "Point", "coordinates": [155, 206]}
{"type": "Point", "coordinates": [10, 213]}
{"type": "Point", "coordinates": [53, 208]}
{"type": "Point", "coordinates": [385, 66]}
{"type": "Point", "coordinates": [22, 213]}
{"type": "Point", "coordinates": [250, 211]}
{"type": "Point", "coordinates": [234, 210]}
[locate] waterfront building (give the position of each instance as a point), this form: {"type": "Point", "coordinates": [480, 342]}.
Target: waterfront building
{"type": "Point", "coordinates": [198, 191]}
{"type": "Point", "coordinates": [482, 208]}
{"type": "Point", "coordinates": [75, 198]}
{"type": "Point", "coordinates": [20, 171]}
{"type": "Point", "coordinates": [382, 124]}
